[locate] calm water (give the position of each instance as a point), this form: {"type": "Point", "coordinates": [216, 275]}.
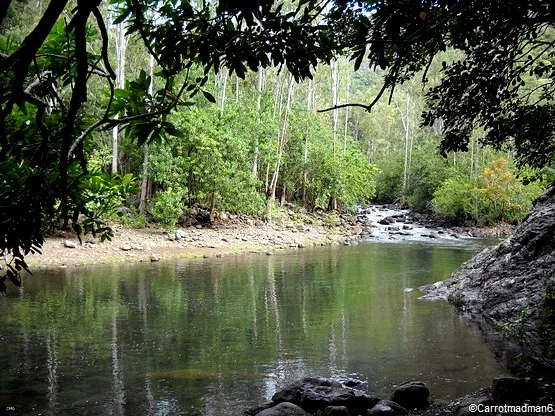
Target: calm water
{"type": "Point", "coordinates": [216, 336]}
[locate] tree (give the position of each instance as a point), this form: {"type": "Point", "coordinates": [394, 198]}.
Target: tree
{"type": "Point", "coordinates": [45, 81]}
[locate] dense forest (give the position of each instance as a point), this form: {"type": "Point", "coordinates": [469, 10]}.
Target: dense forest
{"type": "Point", "coordinates": [164, 126]}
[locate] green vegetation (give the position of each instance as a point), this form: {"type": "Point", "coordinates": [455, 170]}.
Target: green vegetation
{"type": "Point", "coordinates": [221, 106]}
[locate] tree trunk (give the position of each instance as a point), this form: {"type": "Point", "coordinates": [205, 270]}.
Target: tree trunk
{"type": "Point", "coordinates": [309, 107]}
{"type": "Point", "coordinates": [283, 135]}
{"type": "Point", "coordinates": [144, 181]}
{"type": "Point", "coordinates": [121, 48]}
{"type": "Point", "coordinates": [258, 112]}
{"type": "Point", "coordinates": [222, 100]}
{"type": "Point", "coordinates": [348, 96]}
{"type": "Point", "coordinates": [335, 101]}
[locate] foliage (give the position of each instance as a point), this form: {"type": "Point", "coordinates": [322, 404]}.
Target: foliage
{"type": "Point", "coordinates": [50, 113]}
{"type": "Point", "coordinates": [167, 207]}
{"type": "Point", "coordinates": [503, 197]}
{"type": "Point", "coordinates": [101, 195]}
{"type": "Point", "coordinates": [496, 195]}
{"type": "Point", "coordinates": [454, 199]}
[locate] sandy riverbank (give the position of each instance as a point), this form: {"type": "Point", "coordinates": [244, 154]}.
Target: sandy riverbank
{"type": "Point", "coordinates": [231, 237]}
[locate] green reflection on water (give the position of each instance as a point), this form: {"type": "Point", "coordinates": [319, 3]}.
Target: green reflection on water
{"type": "Point", "coordinates": [214, 337]}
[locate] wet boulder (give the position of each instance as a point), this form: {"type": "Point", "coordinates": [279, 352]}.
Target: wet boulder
{"type": "Point", "coordinates": [411, 394]}
{"type": "Point", "coordinates": [318, 398]}
{"type": "Point", "coordinates": [316, 394]}
{"type": "Point", "coordinates": [336, 411]}
{"type": "Point", "coordinates": [511, 390]}
{"type": "Point", "coordinates": [283, 409]}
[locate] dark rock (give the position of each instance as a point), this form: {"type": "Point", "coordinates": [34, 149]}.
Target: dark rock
{"type": "Point", "coordinates": [463, 408]}
{"type": "Point", "coordinates": [336, 411]}
{"type": "Point", "coordinates": [411, 394]}
{"type": "Point", "coordinates": [313, 394]}
{"type": "Point", "coordinates": [283, 409]}
{"type": "Point", "coordinates": [386, 221]}
{"type": "Point", "coordinates": [507, 284]}
{"type": "Point", "coordinates": [393, 228]}
{"type": "Point", "coordinates": [318, 398]}
{"type": "Point", "coordinates": [257, 409]}
{"type": "Point", "coordinates": [361, 402]}
{"type": "Point", "coordinates": [292, 392]}
{"type": "Point", "coordinates": [511, 390]}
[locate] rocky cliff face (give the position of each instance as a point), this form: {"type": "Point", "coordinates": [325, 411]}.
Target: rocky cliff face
{"type": "Point", "coordinates": [511, 287]}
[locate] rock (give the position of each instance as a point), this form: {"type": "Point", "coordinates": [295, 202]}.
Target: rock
{"type": "Point", "coordinates": [411, 394]}
{"type": "Point", "coordinates": [284, 409]}
{"type": "Point", "coordinates": [300, 245]}
{"type": "Point", "coordinates": [136, 247]}
{"type": "Point", "coordinates": [386, 221]}
{"type": "Point", "coordinates": [269, 253]}
{"type": "Point", "coordinates": [318, 398]}
{"type": "Point", "coordinates": [393, 228]}
{"type": "Point", "coordinates": [69, 244]}
{"type": "Point", "coordinates": [180, 234]}
{"type": "Point", "coordinates": [126, 247]}
{"type": "Point", "coordinates": [432, 235]}
{"type": "Point", "coordinates": [198, 227]}
{"type": "Point", "coordinates": [316, 394]}
{"type": "Point", "coordinates": [397, 408]}
{"type": "Point", "coordinates": [511, 390]}
{"type": "Point", "coordinates": [508, 284]}
{"type": "Point", "coordinates": [381, 410]}
{"type": "Point", "coordinates": [463, 408]}
{"type": "Point", "coordinates": [336, 411]}
{"type": "Point", "coordinates": [346, 243]}
{"type": "Point", "coordinates": [154, 258]}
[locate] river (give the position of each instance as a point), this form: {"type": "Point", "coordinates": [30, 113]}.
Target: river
{"type": "Point", "coordinates": [216, 336]}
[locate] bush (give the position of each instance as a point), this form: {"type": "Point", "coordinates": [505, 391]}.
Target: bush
{"type": "Point", "coordinates": [455, 199]}
{"type": "Point", "coordinates": [167, 207]}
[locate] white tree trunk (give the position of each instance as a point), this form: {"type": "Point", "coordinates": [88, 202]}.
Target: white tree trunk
{"type": "Point", "coordinates": [283, 135]}
{"type": "Point", "coordinates": [121, 48]}
{"type": "Point", "coordinates": [258, 110]}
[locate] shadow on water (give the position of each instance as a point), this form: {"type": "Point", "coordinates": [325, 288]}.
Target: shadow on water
{"type": "Point", "coordinates": [213, 337]}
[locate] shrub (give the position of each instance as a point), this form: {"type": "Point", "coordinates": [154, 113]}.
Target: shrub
{"type": "Point", "coordinates": [167, 207]}
{"type": "Point", "coordinates": [455, 199]}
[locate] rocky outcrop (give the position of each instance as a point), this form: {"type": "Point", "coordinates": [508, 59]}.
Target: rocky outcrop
{"type": "Point", "coordinates": [508, 287]}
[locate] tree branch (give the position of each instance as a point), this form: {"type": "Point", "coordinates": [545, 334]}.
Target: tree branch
{"type": "Point", "coordinates": [365, 106]}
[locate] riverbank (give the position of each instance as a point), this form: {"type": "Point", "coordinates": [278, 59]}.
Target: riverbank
{"type": "Point", "coordinates": [233, 236]}
{"type": "Point", "coordinates": [239, 234]}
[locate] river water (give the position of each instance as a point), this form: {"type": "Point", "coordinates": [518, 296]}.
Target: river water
{"type": "Point", "coordinates": [216, 336]}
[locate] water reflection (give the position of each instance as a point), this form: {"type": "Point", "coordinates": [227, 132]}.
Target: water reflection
{"type": "Point", "coordinates": [214, 337]}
